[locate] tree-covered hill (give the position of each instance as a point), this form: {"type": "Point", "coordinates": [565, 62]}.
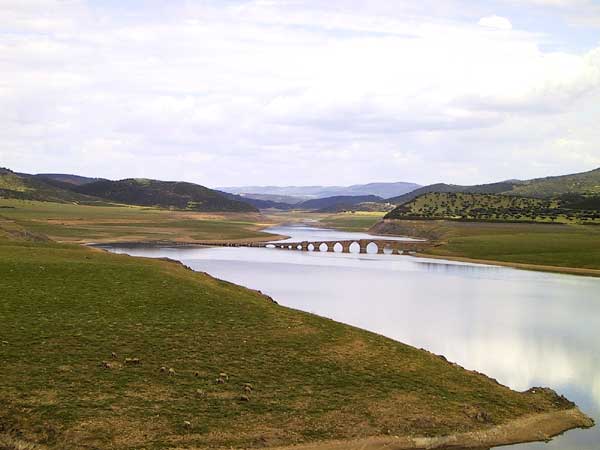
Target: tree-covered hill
{"type": "Point", "coordinates": [142, 192]}
{"type": "Point", "coordinates": [495, 207]}
{"type": "Point", "coordinates": [166, 194]}
{"type": "Point", "coordinates": [579, 183]}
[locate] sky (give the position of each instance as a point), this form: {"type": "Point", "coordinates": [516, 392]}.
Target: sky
{"type": "Point", "coordinates": [301, 92]}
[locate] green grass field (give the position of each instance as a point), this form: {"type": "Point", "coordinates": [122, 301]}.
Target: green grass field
{"type": "Point", "coordinates": [65, 309]}
{"type": "Point", "coordinates": [79, 223]}
{"type": "Point", "coordinates": [357, 221]}
{"type": "Point", "coordinates": [557, 245]}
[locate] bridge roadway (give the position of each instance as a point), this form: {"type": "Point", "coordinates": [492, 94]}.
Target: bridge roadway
{"type": "Point", "coordinates": [383, 246]}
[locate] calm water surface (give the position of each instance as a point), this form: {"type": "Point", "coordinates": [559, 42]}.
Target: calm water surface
{"type": "Point", "coordinates": [523, 328]}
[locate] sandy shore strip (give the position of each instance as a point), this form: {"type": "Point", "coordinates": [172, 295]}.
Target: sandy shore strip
{"type": "Point", "coordinates": [531, 428]}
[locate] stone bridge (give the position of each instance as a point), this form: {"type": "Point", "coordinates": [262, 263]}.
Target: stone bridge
{"type": "Point", "coordinates": [382, 246]}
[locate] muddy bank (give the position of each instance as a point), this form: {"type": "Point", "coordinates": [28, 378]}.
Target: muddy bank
{"type": "Point", "coordinates": [537, 427]}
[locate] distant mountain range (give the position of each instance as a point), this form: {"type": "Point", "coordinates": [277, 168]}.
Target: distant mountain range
{"type": "Point", "coordinates": [300, 193]}
{"type": "Point", "coordinates": [189, 196]}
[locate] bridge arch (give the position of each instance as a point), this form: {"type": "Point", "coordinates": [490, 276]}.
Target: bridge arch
{"type": "Point", "coordinates": [323, 247]}
{"type": "Point", "coordinates": [388, 249]}
{"type": "Point", "coordinates": [354, 247]}
{"type": "Point", "coordinates": [338, 248]}
{"type": "Point", "coordinates": [372, 248]}
{"type": "Point", "coordinates": [299, 247]}
{"type": "Point", "coordinates": [310, 248]}
{"type": "Point", "coordinates": [270, 246]}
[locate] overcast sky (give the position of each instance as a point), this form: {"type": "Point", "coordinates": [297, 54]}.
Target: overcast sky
{"type": "Point", "coordinates": [234, 92]}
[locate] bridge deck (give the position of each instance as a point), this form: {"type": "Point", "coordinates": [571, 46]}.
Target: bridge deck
{"type": "Point", "coordinates": [339, 246]}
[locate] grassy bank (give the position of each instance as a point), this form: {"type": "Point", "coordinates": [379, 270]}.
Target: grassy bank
{"type": "Point", "coordinates": [570, 246]}
{"type": "Point", "coordinates": [79, 223]}
{"type": "Point", "coordinates": [72, 317]}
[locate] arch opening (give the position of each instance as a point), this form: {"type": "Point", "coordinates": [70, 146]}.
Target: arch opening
{"type": "Point", "coordinates": [388, 250]}
{"type": "Point", "coordinates": [372, 248]}
{"type": "Point", "coordinates": [270, 246]}
{"type": "Point", "coordinates": [299, 247]}
{"type": "Point", "coordinates": [311, 248]}
{"type": "Point", "coordinates": [323, 247]}
{"type": "Point", "coordinates": [354, 247]}
{"type": "Point", "coordinates": [338, 248]}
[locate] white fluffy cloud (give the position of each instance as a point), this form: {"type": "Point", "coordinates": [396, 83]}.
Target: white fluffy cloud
{"type": "Point", "coordinates": [501, 23]}
{"type": "Point", "coordinates": [255, 92]}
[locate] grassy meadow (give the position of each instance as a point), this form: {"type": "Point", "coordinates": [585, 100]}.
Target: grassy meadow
{"type": "Point", "coordinates": [79, 223]}
{"type": "Point", "coordinates": [558, 245]}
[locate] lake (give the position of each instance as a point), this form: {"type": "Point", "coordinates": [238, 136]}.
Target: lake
{"type": "Point", "coordinates": [523, 328]}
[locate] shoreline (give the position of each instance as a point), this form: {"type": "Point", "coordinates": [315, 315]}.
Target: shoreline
{"type": "Point", "coordinates": [580, 271]}
{"type": "Point", "coordinates": [530, 428]}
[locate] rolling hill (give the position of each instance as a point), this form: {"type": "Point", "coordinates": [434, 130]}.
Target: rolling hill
{"type": "Point", "coordinates": [337, 203]}
{"type": "Point", "coordinates": [67, 178]}
{"type": "Point", "coordinates": [60, 188]}
{"type": "Point", "coordinates": [548, 187]}
{"type": "Point", "coordinates": [496, 207]}
{"type": "Point", "coordinates": [27, 187]}
{"type": "Point", "coordinates": [165, 194]}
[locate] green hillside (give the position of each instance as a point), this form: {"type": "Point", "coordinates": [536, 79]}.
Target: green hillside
{"type": "Point", "coordinates": [27, 187]}
{"type": "Point", "coordinates": [108, 351]}
{"type": "Point", "coordinates": [165, 194]}
{"type": "Point", "coordinates": [495, 207]}
{"type": "Point", "coordinates": [549, 187]}
{"type": "Point", "coordinates": [141, 192]}
{"type": "Point", "coordinates": [586, 182]}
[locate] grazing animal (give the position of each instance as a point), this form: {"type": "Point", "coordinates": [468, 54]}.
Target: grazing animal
{"type": "Point", "coordinates": [113, 355]}
{"type": "Point", "coordinates": [247, 389]}
{"type": "Point", "coordinates": [187, 424]}
{"type": "Point", "coordinates": [196, 374]}
{"type": "Point", "coordinates": [220, 381]}
{"type": "Point", "coordinates": [224, 376]}
{"type": "Point", "coordinates": [171, 372]}
{"type": "Point", "coordinates": [163, 369]}
{"type": "Point", "coordinates": [133, 361]}
{"type": "Point", "coordinates": [106, 365]}
{"type": "Point", "coordinates": [244, 398]}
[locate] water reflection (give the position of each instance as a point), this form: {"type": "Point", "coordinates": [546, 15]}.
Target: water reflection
{"type": "Point", "coordinates": [522, 328]}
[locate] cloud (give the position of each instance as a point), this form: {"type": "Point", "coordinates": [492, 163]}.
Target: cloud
{"type": "Point", "coordinates": [244, 92]}
{"type": "Point", "coordinates": [501, 23]}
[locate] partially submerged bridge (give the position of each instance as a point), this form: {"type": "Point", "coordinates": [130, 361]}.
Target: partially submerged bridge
{"type": "Point", "coordinates": [381, 246]}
